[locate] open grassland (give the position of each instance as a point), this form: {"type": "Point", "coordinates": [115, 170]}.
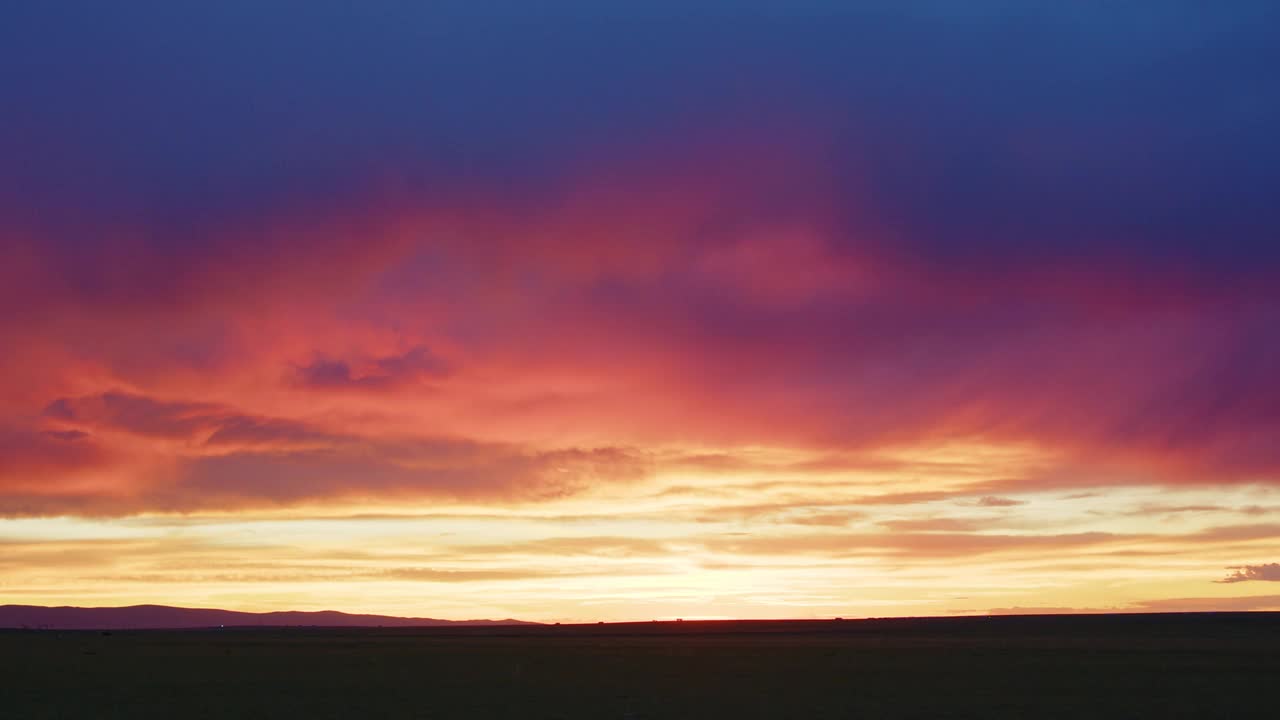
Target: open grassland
{"type": "Point", "coordinates": [1209, 666]}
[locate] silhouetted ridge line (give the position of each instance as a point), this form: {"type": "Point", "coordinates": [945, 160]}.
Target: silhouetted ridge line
{"type": "Point", "coordinates": [147, 617]}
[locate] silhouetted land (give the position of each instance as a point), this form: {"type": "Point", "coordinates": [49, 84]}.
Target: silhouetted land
{"type": "Point", "coordinates": [1101, 666]}
{"type": "Point", "coordinates": [163, 617]}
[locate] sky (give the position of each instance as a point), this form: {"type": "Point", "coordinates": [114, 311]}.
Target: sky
{"type": "Point", "coordinates": [625, 311]}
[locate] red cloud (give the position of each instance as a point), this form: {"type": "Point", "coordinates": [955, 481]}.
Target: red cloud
{"type": "Point", "coordinates": [184, 456]}
{"type": "Point", "coordinates": [689, 294]}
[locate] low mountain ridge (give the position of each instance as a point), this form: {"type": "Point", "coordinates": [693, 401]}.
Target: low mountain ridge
{"type": "Point", "coordinates": [163, 617]}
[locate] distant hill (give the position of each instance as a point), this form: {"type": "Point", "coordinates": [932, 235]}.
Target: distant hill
{"type": "Point", "coordinates": [164, 617]}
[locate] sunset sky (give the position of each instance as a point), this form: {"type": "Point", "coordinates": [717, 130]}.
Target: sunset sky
{"type": "Point", "coordinates": [578, 311]}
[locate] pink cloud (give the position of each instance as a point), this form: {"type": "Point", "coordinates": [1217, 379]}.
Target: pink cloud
{"type": "Point", "coordinates": [701, 292]}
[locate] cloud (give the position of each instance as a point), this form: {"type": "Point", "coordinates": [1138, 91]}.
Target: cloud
{"type": "Point", "coordinates": [283, 267]}
{"type": "Point", "coordinates": [65, 435]}
{"type": "Point", "coordinates": [379, 469]}
{"type": "Point", "coordinates": [994, 501]}
{"type": "Point", "coordinates": [939, 524]}
{"type": "Point", "coordinates": [603, 546]}
{"type": "Point", "coordinates": [1038, 610]}
{"type": "Point", "coordinates": [918, 545]}
{"type": "Point", "coordinates": [905, 498]}
{"type": "Point", "coordinates": [842, 300]}
{"type": "Point", "coordinates": [384, 373]}
{"type": "Point", "coordinates": [186, 456]}
{"type": "Point", "coordinates": [1269, 572]}
{"type": "Point", "coordinates": [1224, 604]}
{"type": "Point", "coordinates": [1238, 533]}
{"type": "Point", "coordinates": [30, 459]}
{"type": "Point", "coordinates": [451, 576]}
{"type": "Point", "coordinates": [137, 414]}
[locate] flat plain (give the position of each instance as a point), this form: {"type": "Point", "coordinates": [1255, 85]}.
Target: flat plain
{"type": "Point", "coordinates": [1222, 665]}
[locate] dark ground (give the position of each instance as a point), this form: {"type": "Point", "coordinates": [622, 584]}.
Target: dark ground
{"type": "Point", "coordinates": [1117, 666]}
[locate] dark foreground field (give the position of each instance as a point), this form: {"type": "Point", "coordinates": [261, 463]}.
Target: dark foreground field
{"type": "Point", "coordinates": [1210, 666]}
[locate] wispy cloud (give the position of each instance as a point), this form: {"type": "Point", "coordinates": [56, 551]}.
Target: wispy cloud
{"type": "Point", "coordinates": [995, 501]}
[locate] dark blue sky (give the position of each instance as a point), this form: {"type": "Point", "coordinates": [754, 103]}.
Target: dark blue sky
{"type": "Point", "coordinates": [975, 127]}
